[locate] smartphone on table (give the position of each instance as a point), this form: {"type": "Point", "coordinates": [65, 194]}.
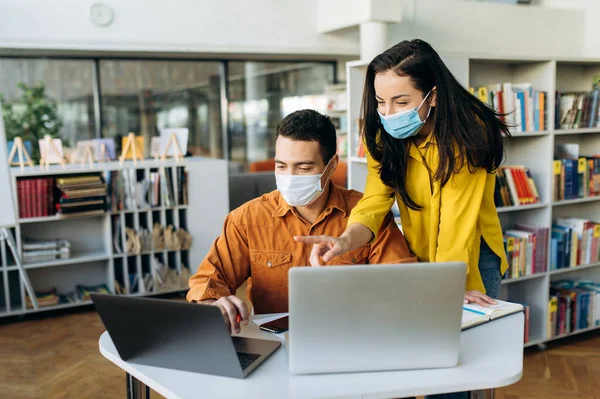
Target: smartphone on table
{"type": "Point", "coordinates": [276, 326]}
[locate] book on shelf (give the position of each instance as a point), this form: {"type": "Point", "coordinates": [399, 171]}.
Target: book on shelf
{"type": "Point", "coordinates": [182, 184]}
{"type": "Point", "coordinates": [525, 250]}
{"type": "Point", "coordinates": [574, 242]}
{"type": "Point", "coordinates": [35, 197]}
{"type": "Point", "coordinates": [515, 186]}
{"type": "Point", "coordinates": [526, 109]}
{"type": "Point", "coordinates": [474, 314]}
{"type": "Point", "coordinates": [573, 305]}
{"type": "Point", "coordinates": [574, 176]}
{"type": "Point", "coordinates": [577, 110]}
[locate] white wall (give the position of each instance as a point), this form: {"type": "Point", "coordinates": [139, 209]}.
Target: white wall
{"type": "Point", "coordinates": [196, 26]}
{"type": "Point", "coordinates": [591, 9]}
{"type": "Point", "coordinates": [500, 30]}
{"type": "Point", "coordinates": [279, 28]}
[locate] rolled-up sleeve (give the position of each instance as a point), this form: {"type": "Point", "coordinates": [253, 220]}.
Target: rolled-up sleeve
{"type": "Point", "coordinates": [227, 265]}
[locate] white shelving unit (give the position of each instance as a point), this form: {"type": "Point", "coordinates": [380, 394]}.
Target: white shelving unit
{"type": "Point", "coordinates": [93, 259]}
{"type": "Point", "coordinates": [535, 150]}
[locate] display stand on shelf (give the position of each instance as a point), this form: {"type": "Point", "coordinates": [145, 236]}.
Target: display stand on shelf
{"type": "Point", "coordinates": [50, 153]}
{"type": "Point", "coordinates": [103, 157]}
{"type": "Point", "coordinates": [177, 155]}
{"type": "Point", "coordinates": [129, 144]}
{"type": "Point", "coordinates": [19, 150]}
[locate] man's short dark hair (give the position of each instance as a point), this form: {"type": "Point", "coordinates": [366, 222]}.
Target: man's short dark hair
{"type": "Point", "coordinates": [309, 125]}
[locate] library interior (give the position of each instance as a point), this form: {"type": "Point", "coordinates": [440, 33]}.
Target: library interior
{"type": "Point", "coordinates": [300, 199]}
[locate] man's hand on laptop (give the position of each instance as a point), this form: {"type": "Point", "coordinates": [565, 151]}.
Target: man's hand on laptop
{"type": "Point", "coordinates": [478, 298]}
{"type": "Point", "coordinates": [231, 306]}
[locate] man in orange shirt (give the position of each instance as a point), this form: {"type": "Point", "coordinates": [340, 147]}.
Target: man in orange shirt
{"type": "Point", "coordinates": [257, 239]}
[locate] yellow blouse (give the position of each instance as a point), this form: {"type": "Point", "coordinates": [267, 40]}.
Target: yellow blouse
{"type": "Point", "coordinates": [452, 220]}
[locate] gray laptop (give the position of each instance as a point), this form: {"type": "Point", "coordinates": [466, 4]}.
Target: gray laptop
{"type": "Point", "coordinates": [375, 317]}
{"type": "Point", "coordinates": [179, 335]}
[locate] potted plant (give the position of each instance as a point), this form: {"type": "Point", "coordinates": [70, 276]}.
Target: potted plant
{"type": "Point", "coordinates": [35, 116]}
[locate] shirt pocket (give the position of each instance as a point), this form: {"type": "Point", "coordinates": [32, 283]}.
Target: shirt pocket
{"type": "Point", "coordinates": [269, 259]}
{"type": "Point", "coordinates": [358, 256]}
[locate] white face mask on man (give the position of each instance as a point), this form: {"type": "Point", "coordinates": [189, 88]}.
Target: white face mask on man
{"type": "Point", "coordinates": [301, 190]}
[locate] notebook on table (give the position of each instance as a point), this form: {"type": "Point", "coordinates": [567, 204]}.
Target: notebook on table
{"type": "Point", "coordinates": [474, 315]}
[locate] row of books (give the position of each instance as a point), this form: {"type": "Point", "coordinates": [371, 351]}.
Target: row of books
{"type": "Point", "coordinates": [574, 305]}
{"type": "Point", "coordinates": [577, 110]}
{"type": "Point", "coordinates": [526, 250]}
{"type": "Point", "coordinates": [526, 109]}
{"type": "Point", "coordinates": [66, 196]}
{"type": "Point", "coordinates": [574, 242]}
{"type": "Point", "coordinates": [127, 192]}
{"type": "Point", "coordinates": [515, 186]}
{"type": "Point", "coordinates": [35, 197]}
{"type": "Point", "coordinates": [575, 176]}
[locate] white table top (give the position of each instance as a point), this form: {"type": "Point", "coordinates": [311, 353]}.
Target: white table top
{"type": "Point", "coordinates": [491, 356]}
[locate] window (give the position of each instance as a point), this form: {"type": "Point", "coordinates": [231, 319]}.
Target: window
{"type": "Point", "coordinates": [68, 82]}
{"type": "Point", "coordinates": [261, 94]}
{"type": "Point", "coordinates": [143, 96]}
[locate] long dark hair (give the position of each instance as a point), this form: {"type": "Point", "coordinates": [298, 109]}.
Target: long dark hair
{"type": "Point", "coordinates": [466, 129]}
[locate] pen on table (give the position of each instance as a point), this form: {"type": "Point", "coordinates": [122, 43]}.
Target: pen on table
{"type": "Point", "coordinates": [474, 311]}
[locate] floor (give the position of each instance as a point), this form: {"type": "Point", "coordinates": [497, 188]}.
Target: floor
{"type": "Point", "coordinates": [56, 356]}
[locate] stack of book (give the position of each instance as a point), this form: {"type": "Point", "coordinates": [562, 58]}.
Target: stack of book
{"type": "Point", "coordinates": [81, 195]}
{"type": "Point", "coordinates": [51, 297]}
{"type": "Point", "coordinates": [47, 250]}
{"type": "Point", "coordinates": [84, 291]}
{"type": "Point", "coordinates": [44, 298]}
{"type": "Point", "coordinates": [574, 305]}
{"type": "Point", "coordinates": [515, 186]}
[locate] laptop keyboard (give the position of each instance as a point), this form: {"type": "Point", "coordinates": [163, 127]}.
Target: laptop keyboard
{"type": "Point", "coordinates": [246, 359]}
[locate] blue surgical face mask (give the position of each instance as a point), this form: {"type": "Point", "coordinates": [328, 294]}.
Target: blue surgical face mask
{"type": "Point", "coordinates": [404, 124]}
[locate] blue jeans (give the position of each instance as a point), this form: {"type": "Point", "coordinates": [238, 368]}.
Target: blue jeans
{"type": "Point", "coordinates": [489, 268]}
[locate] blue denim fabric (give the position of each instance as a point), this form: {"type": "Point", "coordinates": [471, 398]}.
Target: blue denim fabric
{"type": "Point", "coordinates": [489, 268]}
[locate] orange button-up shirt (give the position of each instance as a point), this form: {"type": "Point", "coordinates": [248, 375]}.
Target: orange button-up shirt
{"type": "Point", "coordinates": [257, 242]}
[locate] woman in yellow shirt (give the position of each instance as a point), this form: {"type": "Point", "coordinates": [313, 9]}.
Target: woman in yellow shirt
{"type": "Point", "coordinates": [433, 147]}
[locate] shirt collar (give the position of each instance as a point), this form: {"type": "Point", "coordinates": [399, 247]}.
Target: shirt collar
{"type": "Point", "coordinates": [336, 200]}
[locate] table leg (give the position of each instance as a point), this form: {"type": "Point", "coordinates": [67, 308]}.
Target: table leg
{"type": "Point", "coordinates": [482, 394]}
{"type": "Point", "coordinates": [136, 389]}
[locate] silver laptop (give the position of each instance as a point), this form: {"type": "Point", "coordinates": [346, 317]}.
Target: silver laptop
{"type": "Point", "coordinates": [179, 335]}
{"type": "Point", "coordinates": [375, 317]}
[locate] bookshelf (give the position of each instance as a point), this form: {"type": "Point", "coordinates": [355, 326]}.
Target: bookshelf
{"type": "Point", "coordinates": [94, 259]}
{"type": "Point", "coordinates": [534, 149]}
